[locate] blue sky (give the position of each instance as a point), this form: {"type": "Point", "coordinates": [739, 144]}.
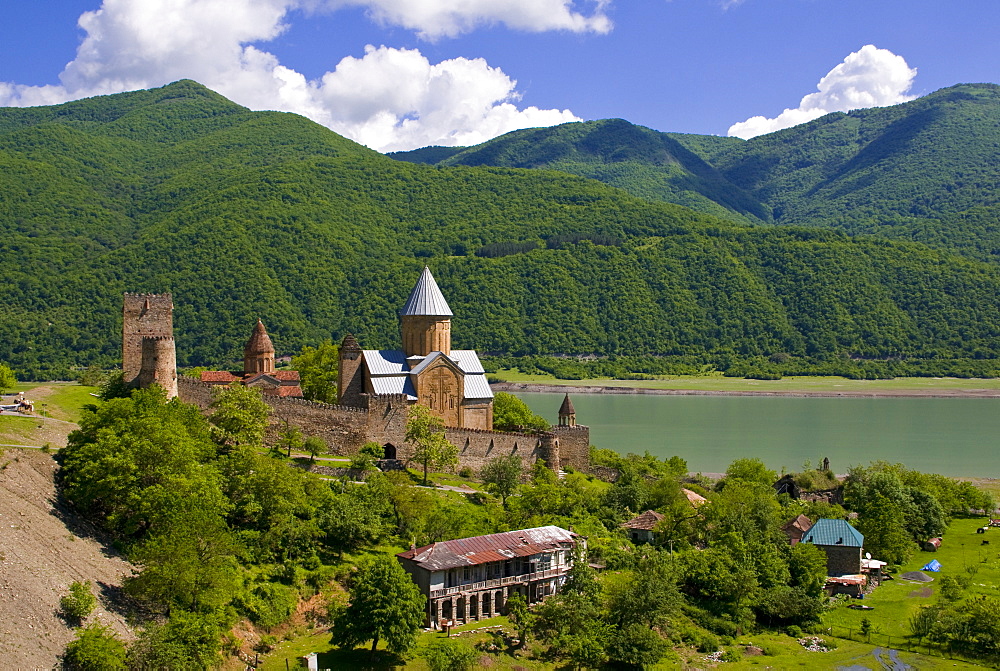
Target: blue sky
{"type": "Point", "coordinates": [448, 72]}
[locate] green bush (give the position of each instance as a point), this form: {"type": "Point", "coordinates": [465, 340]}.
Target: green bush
{"type": "Point", "coordinates": [732, 655]}
{"type": "Point", "coordinates": [770, 649]}
{"type": "Point", "coordinates": [794, 631]}
{"type": "Point", "coordinates": [80, 602]}
{"type": "Point", "coordinates": [95, 648]}
{"type": "Point", "coordinates": [466, 472]}
{"type": "Point", "coordinates": [268, 604]}
{"type": "Point", "coordinates": [450, 656]}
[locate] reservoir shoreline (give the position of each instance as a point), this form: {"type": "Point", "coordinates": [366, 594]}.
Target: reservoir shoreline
{"type": "Point", "coordinates": [548, 388]}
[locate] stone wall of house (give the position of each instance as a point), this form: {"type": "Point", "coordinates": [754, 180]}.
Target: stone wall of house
{"type": "Point", "coordinates": [345, 429]}
{"type": "Point", "coordinates": [841, 559]}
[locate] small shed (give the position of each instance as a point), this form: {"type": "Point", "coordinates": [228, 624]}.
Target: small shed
{"type": "Point", "coordinates": [932, 544]}
{"type": "Point", "coordinates": [640, 528]}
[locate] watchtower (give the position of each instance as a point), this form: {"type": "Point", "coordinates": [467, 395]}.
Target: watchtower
{"type": "Point", "coordinates": [147, 316]}
{"type": "Point", "coordinates": [350, 376]}
{"type": "Point", "coordinates": [159, 364]}
{"type": "Point", "coordinates": [567, 413]}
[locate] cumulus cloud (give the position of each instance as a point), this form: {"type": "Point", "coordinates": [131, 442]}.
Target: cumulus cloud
{"type": "Point", "coordinates": [389, 99]}
{"type": "Point", "coordinates": [433, 19]}
{"type": "Point", "coordinates": [869, 77]}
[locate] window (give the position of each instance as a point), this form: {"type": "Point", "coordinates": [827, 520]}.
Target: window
{"type": "Point", "coordinates": [543, 562]}
{"type": "Point", "coordinates": [466, 574]}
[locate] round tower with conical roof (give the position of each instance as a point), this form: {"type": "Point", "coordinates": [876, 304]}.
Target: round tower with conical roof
{"type": "Point", "coordinates": [426, 319]}
{"type": "Point", "coordinates": [258, 355]}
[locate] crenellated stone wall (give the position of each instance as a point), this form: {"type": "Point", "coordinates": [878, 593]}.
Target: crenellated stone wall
{"type": "Point", "coordinates": [345, 429]}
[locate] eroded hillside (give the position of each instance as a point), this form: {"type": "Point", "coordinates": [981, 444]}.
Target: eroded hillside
{"type": "Point", "coordinates": [44, 548]}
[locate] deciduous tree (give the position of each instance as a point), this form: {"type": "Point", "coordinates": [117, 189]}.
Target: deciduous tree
{"type": "Point", "coordinates": [385, 604]}
{"type": "Point", "coordinates": [431, 448]}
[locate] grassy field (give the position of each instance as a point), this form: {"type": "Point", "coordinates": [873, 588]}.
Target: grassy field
{"type": "Point", "coordinates": [789, 385]}
{"type": "Point", "coordinates": [961, 554]}
{"type": "Point", "coordinates": [786, 653]}
{"type": "Point", "coordinates": [59, 405]}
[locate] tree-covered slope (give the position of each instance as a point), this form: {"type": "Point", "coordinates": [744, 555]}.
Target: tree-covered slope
{"type": "Point", "coordinates": [644, 162]}
{"type": "Point", "coordinates": [244, 215]}
{"type": "Point", "coordinates": [920, 170]}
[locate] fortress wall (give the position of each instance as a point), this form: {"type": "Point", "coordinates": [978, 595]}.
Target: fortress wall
{"type": "Point", "coordinates": [574, 446]}
{"type": "Point", "coordinates": [345, 429]}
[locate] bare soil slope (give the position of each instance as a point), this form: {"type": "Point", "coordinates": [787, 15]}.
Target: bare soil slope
{"type": "Point", "coordinates": [44, 548]}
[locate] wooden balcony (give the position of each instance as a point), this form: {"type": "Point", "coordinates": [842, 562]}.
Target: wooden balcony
{"type": "Point", "coordinates": [493, 583]}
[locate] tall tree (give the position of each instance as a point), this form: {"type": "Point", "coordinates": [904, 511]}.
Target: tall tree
{"type": "Point", "coordinates": [510, 412]}
{"type": "Point", "coordinates": [431, 448]}
{"type": "Point", "coordinates": [317, 368]}
{"type": "Point", "coordinates": [502, 475]}
{"type": "Point", "coordinates": [7, 378]}
{"type": "Point", "coordinates": [240, 416]}
{"type": "Point", "coordinates": [385, 604]}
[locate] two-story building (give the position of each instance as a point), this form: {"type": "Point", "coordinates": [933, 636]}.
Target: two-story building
{"type": "Point", "coordinates": [468, 579]}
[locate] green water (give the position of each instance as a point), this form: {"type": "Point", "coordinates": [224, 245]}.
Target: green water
{"type": "Point", "coordinates": [955, 437]}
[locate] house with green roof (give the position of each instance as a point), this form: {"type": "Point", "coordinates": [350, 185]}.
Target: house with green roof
{"type": "Point", "coordinates": [842, 543]}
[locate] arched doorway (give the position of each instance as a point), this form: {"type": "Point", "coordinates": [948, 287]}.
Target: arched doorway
{"type": "Point", "coordinates": [390, 451]}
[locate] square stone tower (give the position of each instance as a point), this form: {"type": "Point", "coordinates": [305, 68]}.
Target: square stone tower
{"type": "Point", "coordinates": [146, 316]}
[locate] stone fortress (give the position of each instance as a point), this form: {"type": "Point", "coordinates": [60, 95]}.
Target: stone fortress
{"type": "Point", "coordinates": [375, 387]}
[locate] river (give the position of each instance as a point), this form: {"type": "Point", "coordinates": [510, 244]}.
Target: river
{"type": "Point", "coordinates": [950, 436]}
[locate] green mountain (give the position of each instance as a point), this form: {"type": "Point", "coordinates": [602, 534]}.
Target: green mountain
{"type": "Point", "coordinates": [259, 214]}
{"type": "Point", "coordinates": [644, 162]}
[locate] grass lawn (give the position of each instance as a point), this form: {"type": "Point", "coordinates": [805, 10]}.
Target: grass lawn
{"type": "Point", "coordinates": [59, 400]}
{"type": "Point", "coordinates": [60, 405]}
{"type": "Point", "coordinates": [790, 385]}
{"type": "Point", "coordinates": [895, 601]}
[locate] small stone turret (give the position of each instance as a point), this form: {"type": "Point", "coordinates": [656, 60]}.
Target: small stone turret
{"type": "Point", "coordinates": [548, 449]}
{"type": "Point", "coordinates": [567, 413]}
{"type": "Point", "coordinates": [350, 376]}
{"type": "Point", "coordinates": [159, 364]}
{"type": "Point", "coordinates": [258, 354]}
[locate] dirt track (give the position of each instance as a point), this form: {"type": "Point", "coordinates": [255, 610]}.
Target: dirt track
{"type": "Point", "coordinates": [42, 550]}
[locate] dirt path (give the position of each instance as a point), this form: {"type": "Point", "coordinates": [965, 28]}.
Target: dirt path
{"type": "Point", "coordinates": [42, 550]}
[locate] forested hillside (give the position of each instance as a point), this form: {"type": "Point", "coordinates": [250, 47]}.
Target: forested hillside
{"type": "Point", "coordinates": [644, 162]}
{"type": "Point", "coordinates": [247, 214]}
{"type": "Point", "coordinates": [924, 170]}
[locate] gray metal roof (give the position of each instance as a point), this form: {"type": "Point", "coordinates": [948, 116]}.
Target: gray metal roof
{"type": "Point", "coordinates": [385, 361]}
{"type": "Point", "coordinates": [467, 360]}
{"type": "Point", "coordinates": [390, 371]}
{"type": "Point", "coordinates": [476, 386]}
{"type": "Point", "coordinates": [394, 384]}
{"type": "Point", "coordinates": [426, 298]}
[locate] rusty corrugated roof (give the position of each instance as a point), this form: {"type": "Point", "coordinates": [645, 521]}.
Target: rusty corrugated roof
{"type": "Point", "coordinates": [489, 548]}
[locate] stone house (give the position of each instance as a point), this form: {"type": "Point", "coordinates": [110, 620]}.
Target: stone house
{"type": "Point", "coordinates": [842, 544]}
{"type": "Point", "coordinates": [469, 579]}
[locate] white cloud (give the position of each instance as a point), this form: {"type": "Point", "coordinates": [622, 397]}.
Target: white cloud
{"type": "Point", "coordinates": [433, 19]}
{"type": "Point", "coordinates": [389, 99]}
{"type": "Point", "coordinates": [869, 77]}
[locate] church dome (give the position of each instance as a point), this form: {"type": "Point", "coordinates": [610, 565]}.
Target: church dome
{"type": "Point", "coordinates": [260, 342]}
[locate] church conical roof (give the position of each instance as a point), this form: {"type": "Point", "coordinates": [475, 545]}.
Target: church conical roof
{"type": "Point", "coordinates": [567, 407]}
{"type": "Point", "coordinates": [426, 298]}
{"type": "Point", "coordinates": [260, 342]}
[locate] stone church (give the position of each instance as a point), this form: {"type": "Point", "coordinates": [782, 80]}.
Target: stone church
{"type": "Point", "coordinates": [451, 383]}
